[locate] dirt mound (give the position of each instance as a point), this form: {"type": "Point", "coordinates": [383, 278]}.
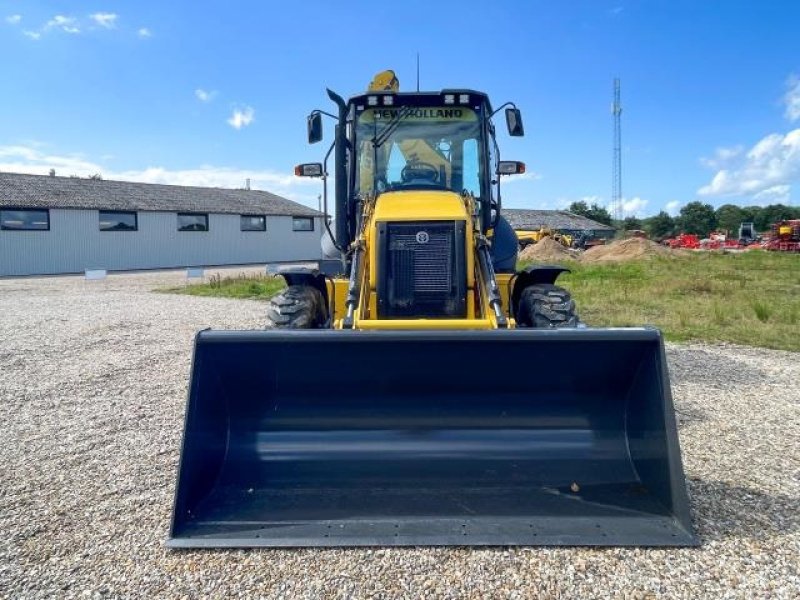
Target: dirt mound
{"type": "Point", "coordinates": [545, 250]}
{"type": "Point", "coordinates": [630, 249]}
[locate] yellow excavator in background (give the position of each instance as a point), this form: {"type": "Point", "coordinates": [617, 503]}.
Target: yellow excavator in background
{"type": "Point", "coordinates": [414, 387]}
{"type": "Point", "coordinates": [527, 237]}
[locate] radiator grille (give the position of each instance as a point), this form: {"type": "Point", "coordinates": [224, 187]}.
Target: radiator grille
{"type": "Point", "coordinates": [423, 270]}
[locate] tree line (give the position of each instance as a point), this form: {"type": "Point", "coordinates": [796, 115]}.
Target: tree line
{"type": "Point", "coordinates": [695, 217]}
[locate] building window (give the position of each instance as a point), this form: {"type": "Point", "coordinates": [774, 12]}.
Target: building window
{"type": "Point", "coordinates": [302, 224]}
{"type": "Point", "coordinates": [192, 222]}
{"type": "Point", "coordinates": [254, 223]}
{"type": "Point", "coordinates": [111, 220]}
{"type": "Point", "coordinates": [25, 219]}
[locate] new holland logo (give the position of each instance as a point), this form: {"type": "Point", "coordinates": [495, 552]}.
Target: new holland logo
{"type": "Point", "coordinates": [423, 237]}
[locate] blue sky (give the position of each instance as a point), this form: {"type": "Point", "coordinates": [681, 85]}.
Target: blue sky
{"type": "Point", "coordinates": [211, 93]}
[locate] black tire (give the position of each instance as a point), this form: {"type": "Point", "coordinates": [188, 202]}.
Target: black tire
{"type": "Point", "coordinates": [297, 307]}
{"type": "Point", "coordinates": [546, 306]}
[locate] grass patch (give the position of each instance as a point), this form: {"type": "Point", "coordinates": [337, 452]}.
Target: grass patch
{"type": "Point", "coordinates": [752, 298]}
{"type": "Point", "coordinates": [251, 287]}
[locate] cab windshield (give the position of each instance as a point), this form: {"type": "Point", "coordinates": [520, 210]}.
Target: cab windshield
{"type": "Point", "coordinates": [402, 148]}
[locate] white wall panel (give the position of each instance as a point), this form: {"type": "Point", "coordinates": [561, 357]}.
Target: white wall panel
{"type": "Point", "coordinates": [75, 243]}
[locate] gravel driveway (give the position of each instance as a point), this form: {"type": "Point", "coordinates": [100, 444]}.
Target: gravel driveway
{"type": "Point", "coordinates": [93, 384]}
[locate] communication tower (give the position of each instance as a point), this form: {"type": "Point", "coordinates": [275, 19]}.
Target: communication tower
{"type": "Point", "coordinates": [616, 186]}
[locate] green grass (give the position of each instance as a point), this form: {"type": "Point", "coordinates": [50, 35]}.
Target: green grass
{"type": "Point", "coordinates": [252, 287]}
{"type": "Point", "coordinates": [751, 298]}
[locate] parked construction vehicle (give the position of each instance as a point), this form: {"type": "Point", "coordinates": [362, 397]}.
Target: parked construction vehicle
{"type": "Point", "coordinates": [415, 388]}
{"type": "Point", "coordinates": [785, 236]}
{"type": "Point", "coordinates": [747, 234]}
{"type": "Point", "coordinates": [526, 237]}
{"type": "Point", "coordinates": [689, 241]}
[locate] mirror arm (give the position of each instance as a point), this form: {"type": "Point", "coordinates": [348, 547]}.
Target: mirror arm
{"type": "Point", "coordinates": [511, 104]}
{"type": "Point", "coordinates": [322, 112]}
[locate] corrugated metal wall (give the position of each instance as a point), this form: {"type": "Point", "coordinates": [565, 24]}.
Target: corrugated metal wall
{"type": "Point", "coordinates": [75, 243]}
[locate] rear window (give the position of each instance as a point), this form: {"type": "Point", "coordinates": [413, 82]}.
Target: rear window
{"type": "Point", "coordinates": [25, 219]}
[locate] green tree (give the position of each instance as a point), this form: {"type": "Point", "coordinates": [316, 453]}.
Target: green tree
{"type": "Point", "coordinates": [659, 226]}
{"type": "Point", "coordinates": [752, 214]}
{"type": "Point", "coordinates": [594, 212]}
{"type": "Point", "coordinates": [729, 217]}
{"type": "Point", "coordinates": [697, 218]}
{"type": "Point", "coordinates": [631, 223]}
{"type": "Point", "coordinates": [579, 208]}
{"type": "Point", "coordinates": [774, 213]}
{"type": "Point", "coordinates": [599, 214]}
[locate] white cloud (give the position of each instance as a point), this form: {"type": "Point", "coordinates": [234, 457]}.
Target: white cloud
{"type": "Point", "coordinates": [144, 32]}
{"type": "Point", "coordinates": [242, 117]}
{"type": "Point", "coordinates": [107, 20]}
{"type": "Point", "coordinates": [14, 19]}
{"type": "Point", "coordinates": [722, 156]}
{"type": "Point", "coordinates": [792, 98]}
{"type": "Point", "coordinates": [672, 207]}
{"type": "Point", "coordinates": [773, 161]}
{"type": "Point", "coordinates": [66, 24]}
{"type": "Point", "coordinates": [561, 203]}
{"type": "Point", "coordinates": [205, 96]}
{"type": "Point", "coordinates": [32, 159]}
{"type": "Point", "coordinates": [526, 176]}
{"type": "Point", "coordinates": [777, 194]}
{"type": "Point", "coordinates": [29, 159]}
{"type": "Point", "coordinates": [632, 206]}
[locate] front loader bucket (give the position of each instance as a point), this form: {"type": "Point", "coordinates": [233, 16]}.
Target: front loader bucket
{"type": "Point", "coordinates": [348, 438]}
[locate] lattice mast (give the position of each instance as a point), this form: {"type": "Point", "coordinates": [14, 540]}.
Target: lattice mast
{"type": "Point", "coordinates": [616, 175]}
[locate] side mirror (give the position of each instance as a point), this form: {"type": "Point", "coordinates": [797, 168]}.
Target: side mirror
{"type": "Point", "coordinates": [314, 127]}
{"type": "Point", "coordinates": [510, 167]}
{"type": "Point", "coordinates": [309, 170]}
{"type": "Point", "coordinates": [514, 122]}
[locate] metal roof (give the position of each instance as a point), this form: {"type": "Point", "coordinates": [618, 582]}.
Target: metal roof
{"type": "Point", "coordinates": [42, 191]}
{"type": "Point", "coordinates": [554, 219]}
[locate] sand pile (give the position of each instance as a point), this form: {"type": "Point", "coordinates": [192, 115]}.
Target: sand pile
{"type": "Point", "coordinates": [630, 249]}
{"type": "Point", "coordinates": [546, 249]}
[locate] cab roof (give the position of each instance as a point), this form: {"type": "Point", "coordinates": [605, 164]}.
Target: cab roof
{"type": "Point", "coordinates": [423, 98]}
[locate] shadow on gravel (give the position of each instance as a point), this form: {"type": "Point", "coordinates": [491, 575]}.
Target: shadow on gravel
{"type": "Point", "coordinates": [723, 511]}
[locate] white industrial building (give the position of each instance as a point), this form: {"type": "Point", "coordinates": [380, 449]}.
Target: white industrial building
{"type": "Point", "coordinates": [52, 225]}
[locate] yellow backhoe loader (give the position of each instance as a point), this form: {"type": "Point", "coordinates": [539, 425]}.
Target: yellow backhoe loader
{"type": "Point", "coordinates": [415, 388]}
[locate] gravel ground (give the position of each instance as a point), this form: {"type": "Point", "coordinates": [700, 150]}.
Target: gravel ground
{"type": "Point", "coordinates": [93, 382]}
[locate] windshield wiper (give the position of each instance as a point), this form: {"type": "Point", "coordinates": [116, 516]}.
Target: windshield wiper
{"type": "Point", "coordinates": [390, 128]}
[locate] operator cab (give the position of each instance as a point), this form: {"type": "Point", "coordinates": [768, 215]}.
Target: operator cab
{"type": "Point", "coordinates": [419, 141]}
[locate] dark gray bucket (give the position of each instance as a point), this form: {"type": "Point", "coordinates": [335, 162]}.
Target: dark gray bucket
{"type": "Point", "coordinates": [350, 438]}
